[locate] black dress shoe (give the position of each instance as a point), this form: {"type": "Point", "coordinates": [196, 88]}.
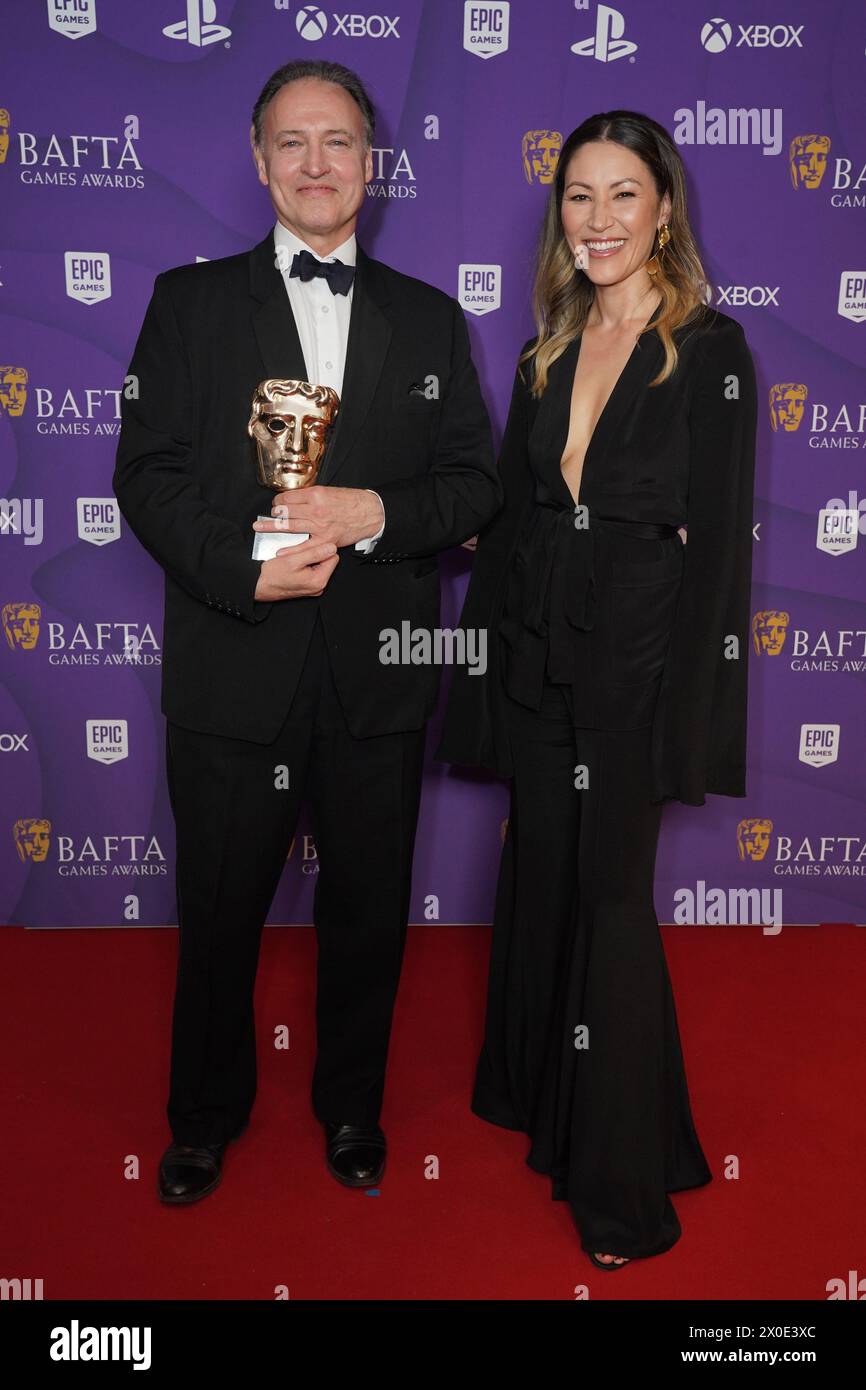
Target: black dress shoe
{"type": "Point", "coordinates": [355, 1156]}
{"type": "Point", "coordinates": [188, 1172]}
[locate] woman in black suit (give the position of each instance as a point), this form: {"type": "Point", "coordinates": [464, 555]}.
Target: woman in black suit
{"type": "Point", "coordinates": [615, 585]}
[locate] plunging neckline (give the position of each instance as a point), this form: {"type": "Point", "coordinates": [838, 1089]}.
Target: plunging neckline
{"type": "Point", "coordinates": [604, 410]}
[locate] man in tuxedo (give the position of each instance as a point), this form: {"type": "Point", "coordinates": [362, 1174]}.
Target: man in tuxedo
{"type": "Point", "coordinates": [272, 684]}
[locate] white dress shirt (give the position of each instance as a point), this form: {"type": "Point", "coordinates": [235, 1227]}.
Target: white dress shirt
{"type": "Point", "coordinates": [322, 320]}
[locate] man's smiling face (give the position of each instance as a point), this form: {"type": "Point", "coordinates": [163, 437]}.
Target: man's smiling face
{"type": "Point", "coordinates": [314, 161]}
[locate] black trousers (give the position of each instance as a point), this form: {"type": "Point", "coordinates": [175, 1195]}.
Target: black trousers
{"type": "Point", "coordinates": [235, 820]}
{"type": "Point", "coordinates": [581, 1048]}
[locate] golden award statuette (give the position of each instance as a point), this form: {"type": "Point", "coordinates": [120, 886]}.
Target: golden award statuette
{"type": "Point", "coordinates": [290, 423]}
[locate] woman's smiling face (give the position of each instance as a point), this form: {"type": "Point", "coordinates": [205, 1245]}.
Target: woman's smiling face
{"type": "Point", "coordinates": [610, 208]}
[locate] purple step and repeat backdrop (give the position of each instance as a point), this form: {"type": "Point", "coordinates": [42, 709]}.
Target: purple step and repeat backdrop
{"type": "Point", "coordinates": [124, 150]}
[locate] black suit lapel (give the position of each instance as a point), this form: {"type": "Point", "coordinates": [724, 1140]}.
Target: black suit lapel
{"type": "Point", "coordinates": [642, 365]}
{"type": "Point", "coordinates": [280, 345]}
{"type": "Point", "coordinates": [369, 336]}
{"type": "Point", "coordinates": [273, 320]}
{"type": "Point", "coordinates": [553, 417]}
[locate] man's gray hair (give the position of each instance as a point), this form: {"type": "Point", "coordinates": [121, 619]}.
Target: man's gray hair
{"type": "Point", "coordinates": [325, 72]}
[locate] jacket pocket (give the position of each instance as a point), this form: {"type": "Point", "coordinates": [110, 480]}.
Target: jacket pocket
{"type": "Point", "coordinates": [641, 615]}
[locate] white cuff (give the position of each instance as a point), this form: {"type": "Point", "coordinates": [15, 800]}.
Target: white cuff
{"type": "Point", "coordinates": [367, 545]}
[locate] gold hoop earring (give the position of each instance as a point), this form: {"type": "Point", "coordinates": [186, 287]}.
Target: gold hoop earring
{"type": "Point", "coordinates": [653, 265]}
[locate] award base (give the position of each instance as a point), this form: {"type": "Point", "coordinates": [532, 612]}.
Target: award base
{"type": "Point", "coordinates": [267, 543]}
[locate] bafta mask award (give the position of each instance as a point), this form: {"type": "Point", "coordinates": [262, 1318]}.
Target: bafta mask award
{"type": "Point", "coordinates": [290, 423]}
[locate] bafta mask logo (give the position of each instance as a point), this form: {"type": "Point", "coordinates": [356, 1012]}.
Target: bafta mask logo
{"type": "Point", "coordinates": [32, 838]}
{"type": "Point", "coordinates": [21, 625]}
{"type": "Point", "coordinates": [807, 156]}
{"type": "Point", "coordinates": [769, 630]}
{"type": "Point", "coordinates": [541, 150]}
{"type": "Point", "coordinates": [4, 134]}
{"type": "Point", "coordinates": [290, 423]}
{"type": "Point", "coordinates": [13, 390]}
{"type": "Point", "coordinates": [787, 403]}
{"type": "Point", "coordinates": [753, 839]}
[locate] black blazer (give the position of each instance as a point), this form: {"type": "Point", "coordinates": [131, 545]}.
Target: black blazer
{"type": "Point", "coordinates": [681, 454]}
{"type": "Point", "coordinates": [185, 481]}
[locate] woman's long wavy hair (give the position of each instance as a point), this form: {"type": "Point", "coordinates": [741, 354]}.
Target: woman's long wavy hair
{"type": "Point", "coordinates": [562, 296]}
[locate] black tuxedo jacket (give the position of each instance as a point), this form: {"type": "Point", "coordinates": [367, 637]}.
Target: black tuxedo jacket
{"type": "Point", "coordinates": [186, 482]}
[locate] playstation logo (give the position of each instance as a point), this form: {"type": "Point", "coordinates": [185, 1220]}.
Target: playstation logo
{"type": "Point", "coordinates": [199, 28]}
{"type": "Point", "coordinates": [607, 43]}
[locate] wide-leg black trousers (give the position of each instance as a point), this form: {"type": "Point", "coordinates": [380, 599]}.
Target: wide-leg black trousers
{"type": "Point", "coordinates": [235, 819]}
{"type": "Point", "coordinates": [581, 1047]}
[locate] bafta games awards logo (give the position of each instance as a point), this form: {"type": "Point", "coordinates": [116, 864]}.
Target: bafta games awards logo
{"type": "Point", "coordinates": [59, 411]}
{"type": "Point", "coordinates": [308, 859]}
{"type": "Point", "coordinates": [787, 403]}
{"type": "Point", "coordinates": [80, 644]}
{"type": "Point", "coordinates": [13, 390]}
{"type": "Point", "coordinates": [807, 160]}
{"type": "Point", "coordinates": [88, 856]}
{"type": "Point", "coordinates": [828, 650]}
{"type": "Point", "coordinates": [753, 838]}
{"type": "Point", "coordinates": [21, 625]}
{"type": "Point", "coordinates": [769, 630]}
{"type": "Point", "coordinates": [808, 856]}
{"type": "Point", "coordinates": [830, 427]}
{"type": "Point", "coordinates": [540, 151]}
{"type": "Point", "coordinates": [73, 161]}
{"type": "Point", "coordinates": [393, 175]}
{"type": "Point", "coordinates": [32, 839]}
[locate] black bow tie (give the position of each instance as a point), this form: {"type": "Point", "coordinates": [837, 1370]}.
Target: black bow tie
{"type": "Point", "coordinates": [338, 275]}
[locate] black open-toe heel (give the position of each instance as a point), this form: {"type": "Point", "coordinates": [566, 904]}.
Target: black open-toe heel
{"type": "Point", "coordinates": [599, 1265]}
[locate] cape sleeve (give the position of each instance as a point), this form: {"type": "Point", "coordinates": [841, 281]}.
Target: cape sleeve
{"type": "Point", "coordinates": [473, 730]}
{"type": "Point", "coordinates": [699, 728]}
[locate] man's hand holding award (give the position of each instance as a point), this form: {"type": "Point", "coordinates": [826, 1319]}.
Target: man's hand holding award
{"type": "Point", "coordinates": [291, 422]}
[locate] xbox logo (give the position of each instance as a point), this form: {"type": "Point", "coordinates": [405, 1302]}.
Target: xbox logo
{"type": "Point", "coordinates": [716, 35]}
{"type": "Point", "coordinates": [311, 22]}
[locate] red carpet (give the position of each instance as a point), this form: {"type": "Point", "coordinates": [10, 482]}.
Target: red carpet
{"type": "Point", "coordinates": [772, 1031]}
